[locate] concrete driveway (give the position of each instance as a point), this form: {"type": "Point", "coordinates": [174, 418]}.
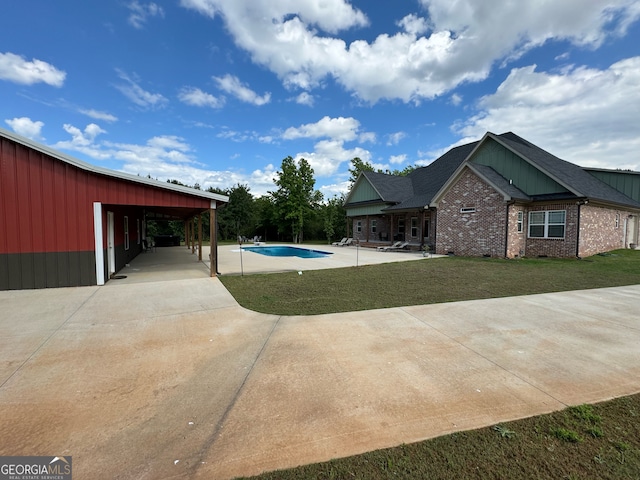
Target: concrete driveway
{"type": "Point", "coordinates": [166, 376]}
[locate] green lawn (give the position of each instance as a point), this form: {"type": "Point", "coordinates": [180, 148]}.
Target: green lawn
{"type": "Point", "coordinates": [427, 281]}
{"type": "Point", "coordinates": [586, 442]}
{"type": "Point", "coordinates": [599, 441]}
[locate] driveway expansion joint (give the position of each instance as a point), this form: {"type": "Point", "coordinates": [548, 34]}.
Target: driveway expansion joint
{"type": "Point", "coordinates": [211, 440]}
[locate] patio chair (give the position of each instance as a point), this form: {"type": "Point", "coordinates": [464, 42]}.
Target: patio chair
{"type": "Point", "coordinates": [402, 246]}
{"type": "Point", "coordinates": [389, 247]}
{"type": "Point", "coordinates": [347, 243]}
{"type": "Point", "coordinates": [341, 242]}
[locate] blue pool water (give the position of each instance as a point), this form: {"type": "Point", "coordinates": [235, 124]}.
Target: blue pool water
{"type": "Point", "coordinates": [285, 251]}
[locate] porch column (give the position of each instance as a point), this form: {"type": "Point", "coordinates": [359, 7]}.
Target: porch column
{"type": "Point", "coordinates": [192, 221]}
{"type": "Point", "coordinates": [214, 241]}
{"type": "Point", "coordinates": [200, 237]}
{"type": "Point", "coordinates": [367, 227]}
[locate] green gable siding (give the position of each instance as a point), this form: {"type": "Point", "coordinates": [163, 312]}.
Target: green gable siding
{"type": "Point", "coordinates": [361, 210]}
{"type": "Point", "coordinates": [627, 183]}
{"type": "Point", "coordinates": [524, 175]}
{"type": "Point", "coordinates": [363, 192]}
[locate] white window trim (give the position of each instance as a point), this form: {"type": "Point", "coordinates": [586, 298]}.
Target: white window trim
{"type": "Point", "coordinates": [520, 222]}
{"type": "Point", "coordinates": [467, 209]}
{"type": "Point", "coordinates": [546, 224]}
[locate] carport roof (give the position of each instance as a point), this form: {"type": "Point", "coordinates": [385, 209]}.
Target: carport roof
{"type": "Point", "coordinates": [108, 172]}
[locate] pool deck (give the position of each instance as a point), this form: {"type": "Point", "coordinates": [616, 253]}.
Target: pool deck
{"type": "Point", "coordinates": [229, 262]}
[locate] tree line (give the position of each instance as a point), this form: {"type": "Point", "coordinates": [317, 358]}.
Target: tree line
{"type": "Point", "coordinates": [293, 212]}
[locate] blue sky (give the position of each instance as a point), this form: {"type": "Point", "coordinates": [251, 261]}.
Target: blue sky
{"type": "Point", "coordinates": [218, 92]}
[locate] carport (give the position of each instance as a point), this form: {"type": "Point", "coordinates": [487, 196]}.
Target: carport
{"type": "Point", "coordinates": [66, 223]}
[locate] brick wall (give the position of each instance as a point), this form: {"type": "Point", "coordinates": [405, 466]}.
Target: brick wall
{"type": "Point", "coordinates": [517, 239]}
{"type": "Point", "coordinates": [382, 227]}
{"type": "Point", "coordinates": [554, 247]}
{"type": "Point", "coordinates": [385, 231]}
{"type": "Point", "coordinates": [482, 232]}
{"type": "Point", "coordinates": [601, 229]}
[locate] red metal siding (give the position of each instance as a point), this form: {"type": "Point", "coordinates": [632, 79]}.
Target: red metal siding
{"type": "Point", "coordinates": [46, 205]}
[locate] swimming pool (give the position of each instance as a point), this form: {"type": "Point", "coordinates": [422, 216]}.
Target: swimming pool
{"type": "Point", "coordinates": [286, 251]}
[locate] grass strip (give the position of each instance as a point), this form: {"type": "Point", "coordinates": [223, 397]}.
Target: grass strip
{"type": "Point", "coordinates": [427, 281]}
{"type": "Point", "coordinates": [587, 441]}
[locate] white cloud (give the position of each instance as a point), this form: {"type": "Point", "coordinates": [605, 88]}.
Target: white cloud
{"type": "Point", "coordinates": [586, 116]}
{"type": "Point", "coordinates": [328, 15]}
{"type": "Point", "coordinates": [330, 152]}
{"type": "Point", "coordinates": [305, 99]}
{"type": "Point", "coordinates": [196, 97]}
{"type": "Point", "coordinates": [134, 92]}
{"type": "Point", "coordinates": [233, 86]}
{"type": "Point", "coordinates": [83, 141]}
{"type": "Point", "coordinates": [98, 115]}
{"type": "Point", "coordinates": [397, 159]}
{"type": "Point", "coordinates": [455, 42]}
{"type": "Point", "coordinates": [328, 155]}
{"type": "Point", "coordinates": [456, 99]}
{"type": "Point", "coordinates": [367, 137]}
{"type": "Point", "coordinates": [140, 13]}
{"type": "Point", "coordinates": [26, 127]}
{"type": "Point", "coordinates": [395, 138]}
{"type": "Point", "coordinates": [335, 189]}
{"type": "Point", "coordinates": [344, 129]}
{"type": "Point", "coordinates": [17, 69]}
{"type": "Point", "coordinates": [414, 25]}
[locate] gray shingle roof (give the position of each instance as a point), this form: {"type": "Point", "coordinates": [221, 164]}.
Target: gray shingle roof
{"type": "Point", "coordinates": [392, 188]}
{"type": "Point", "coordinates": [572, 176]}
{"type": "Point", "coordinates": [499, 182]}
{"type": "Point", "coordinates": [428, 180]}
{"type": "Point", "coordinates": [418, 188]}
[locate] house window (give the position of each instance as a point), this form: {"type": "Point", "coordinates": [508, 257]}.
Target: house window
{"type": "Point", "coordinates": [401, 225]}
{"type": "Point", "coordinates": [359, 226]}
{"type": "Point", "coordinates": [617, 220]}
{"type": "Point", "coordinates": [468, 210]}
{"type": "Point", "coordinates": [520, 221]}
{"type": "Point", "coordinates": [547, 224]}
{"type": "Point", "coordinates": [374, 226]}
{"type": "Point", "coordinates": [427, 228]}
{"type": "Point", "coordinates": [414, 227]}
{"type": "Point", "coordinates": [126, 233]}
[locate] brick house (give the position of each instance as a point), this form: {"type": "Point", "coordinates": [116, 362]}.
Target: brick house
{"type": "Point", "coordinates": [502, 197]}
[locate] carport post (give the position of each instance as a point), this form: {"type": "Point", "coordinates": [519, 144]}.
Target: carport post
{"type": "Point", "coordinates": [213, 241]}
{"type": "Point", "coordinates": [186, 233]}
{"type": "Point", "coordinates": [193, 235]}
{"type": "Point", "coordinates": [200, 237]}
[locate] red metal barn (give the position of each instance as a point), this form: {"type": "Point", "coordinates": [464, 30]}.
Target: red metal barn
{"type": "Point", "coordinates": [66, 223]}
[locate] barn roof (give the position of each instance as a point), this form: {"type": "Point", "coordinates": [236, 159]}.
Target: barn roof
{"type": "Point", "coordinates": [108, 172]}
